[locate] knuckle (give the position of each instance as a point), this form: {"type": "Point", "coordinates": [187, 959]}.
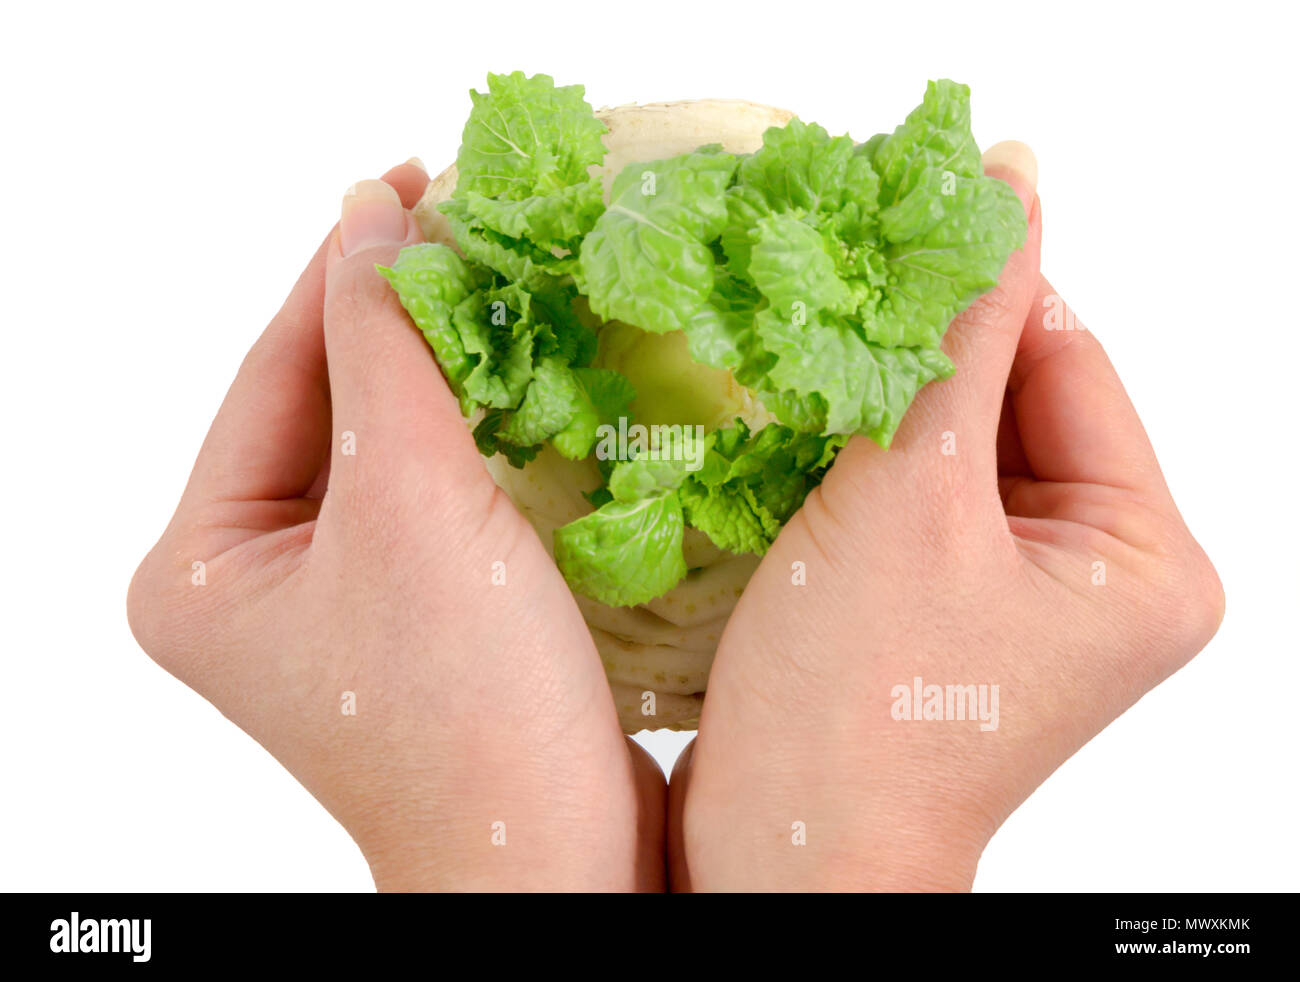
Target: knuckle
{"type": "Point", "coordinates": [156, 605]}
{"type": "Point", "coordinates": [401, 511]}
{"type": "Point", "coordinates": [1189, 596]}
{"type": "Point", "coordinates": [992, 309]}
{"type": "Point", "coordinates": [486, 516]}
{"type": "Point", "coordinates": [1203, 597]}
{"type": "Point", "coordinates": [828, 533]}
{"type": "Point", "coordinates": [178, 610]}
{"type": "Point", "coordinates": [140, 610]}
{"type": "Point", "coordinates": [937, 504]}
{"type": "Point", "coordinates": [936, 528]}
{"type": "Point", "coordinates": [358, 293]}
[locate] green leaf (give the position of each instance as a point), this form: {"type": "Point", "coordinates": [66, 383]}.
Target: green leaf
{"type": "Point", "coordinates": [869, 148]}
{"type": "Point", "coordinates": [624, 553]}
{"type": "Point", "coordinates": [922, 209]}
{"type": "Point", "coordinates": [497, 329]}
{"type": "Point", "coordinates": [936, 274]}
{"type": "Point", "coordinates": [751, 484]}
{"type": "Point", "coordinates": [431, 281]}
{"type": "Point", "coordinates": [800, 167]}
{"type": "Point", "coordinates": [792, 268]}
{"type": "Point", "coordinates": [518, 260]}
{"type": "Point", "coordinates": [524, 159]}
{"type": "Point", "coordinates": [731, 516]}
{"type": "Point", "coordinates": [609, 392]}
{"type": "Point", "coordinates": [555, 220]}
{"type": "Point", "coordinates": [562, 332]}
{"type": "Point", "coordinates": [935, 136]}
{"type": "Point", "coordinates": [644, 477]}
{"type": "Point", "coordinates": [567, 406]}
{"type": "Point", "coordinates": [647, 261]}
{"type": "Point", "coordinates": [856, 252]}
{"type": "Point", "coordinates": [867, 388]}
{"type": "Point", "coordinates": [485, 438]}
{"type": "Point", "coordinates": [604, 396]}
{"type": "Point", "coordinates": [549, 404]}
{"type": "Point", "coordinates": [517, 353]}
{"type": "Point", "coordinates": [803, 171]}
{"type": "Point", "coordinates": [805, 413]}
{"type": "Point", "coordinates": [599, 496]}
{"type": "Point", "coordinates": [721, 333]}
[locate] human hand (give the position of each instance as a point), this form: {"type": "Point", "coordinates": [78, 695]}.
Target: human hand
{"type": "Point", "coordinates": [1044, 556]}
{"type": "Point", "coordinates": [347, 532]}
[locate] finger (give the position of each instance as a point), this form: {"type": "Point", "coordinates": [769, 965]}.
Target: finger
{"type": "Point", "coordinates": [679, 875]}
{"type": "Point", "coordinates": [1010, 454]}
{"type": "Point", "coordinates": [409, 181]}
{"type": "Point", "coordinates": [651, 795]}
{"type": "Point", "coordinates": [1075, 420]}
{"type": "Point", "coordinates": [392, 407]}
{"type": "Point", "coordinates": [272, 431]}
{"type": "Point", "coordinates": [982, 339]}
{"type": "Point", "coordinates": [270, 438]}
{"type": "Point", "coordinates": [951, 430]}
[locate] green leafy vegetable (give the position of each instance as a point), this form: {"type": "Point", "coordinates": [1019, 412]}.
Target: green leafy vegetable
{"type": "Point", "coordinates": [432, 281]}
{"type": "Point", "coordinates": [725, 323]}
{"type": "Point", "coordinates": [524, 159]}
{"type": "Point", "coordinates": [647, 262]}
{"type": "Point", "coordinates": [624, 552]}
{"type": "Point", "coordinates": [935, 137]}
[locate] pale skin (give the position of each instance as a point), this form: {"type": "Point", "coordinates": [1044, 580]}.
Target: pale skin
{"type": "Point", "coordinates": [330, 573]}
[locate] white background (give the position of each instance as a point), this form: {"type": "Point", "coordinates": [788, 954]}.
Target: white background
{"type": "Point", "coordinates": [168, 172]}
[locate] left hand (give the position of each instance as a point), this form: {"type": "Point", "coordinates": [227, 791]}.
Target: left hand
{"type": "Point", "coordinates": [1018, 536]}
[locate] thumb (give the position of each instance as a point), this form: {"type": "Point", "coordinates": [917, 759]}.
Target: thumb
{"type": "Point", "coordinates": [982, 339]}
{"type": "Point", "coordinates": [965, 409]}
{"type": "Point", "coordinates": [395, 421]}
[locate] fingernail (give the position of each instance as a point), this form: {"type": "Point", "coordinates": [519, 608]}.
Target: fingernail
{"type": "Point", "coordinates": [372, 215]}
{"type": "Point", "coordinates": [1016, 158]}
{"type": "Point", "coordinates": [417, 162]}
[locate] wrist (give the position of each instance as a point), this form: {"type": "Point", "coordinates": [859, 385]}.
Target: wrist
{"type": "Point", "coordinates": [875, 860]}
{"type": "Point", "coordinates": [841, 830]}
{"type": "Point", "coordinates": [518, 852]}
{"type": "Point", "coordinates": [880, 863]}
